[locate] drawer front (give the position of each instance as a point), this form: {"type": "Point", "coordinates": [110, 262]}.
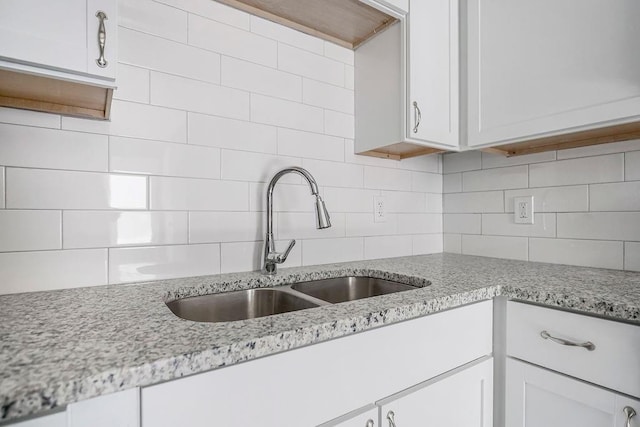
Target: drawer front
{"type": "Point", "coordinates": [614, 362]}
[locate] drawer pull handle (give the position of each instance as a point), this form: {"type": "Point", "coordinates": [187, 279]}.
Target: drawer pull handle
{"type": "Point", "coordinates": [390, 417]}
{"type": "Point", "coordinates": [629, 412]}
{"type": "Point", "coordinates": [588, 345]}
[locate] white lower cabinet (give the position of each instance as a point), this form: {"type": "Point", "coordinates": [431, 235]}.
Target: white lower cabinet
{"type": "Point", "coordinates": [363, 418]}
{"type": "Point", "coordinates": [536, 397]}
{"type": "Point", "coordinates": [464, 398]}
{"type": "Point", "coordinates": [313, 385]}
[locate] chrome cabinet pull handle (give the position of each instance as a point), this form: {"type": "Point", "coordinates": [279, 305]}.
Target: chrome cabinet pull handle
{"type": "Point", "coordinates": [588, 345]}
{"type": "Point", "coordinates": [391, 417]}
{"type": "Point", "coordinates": [417, 116]}
{"type": "Point", "coordinates": [102, 38]}
{"type": "Point", "coordinates": [629, 412]}
{"type": "Point", "coordinates": [370, 423]}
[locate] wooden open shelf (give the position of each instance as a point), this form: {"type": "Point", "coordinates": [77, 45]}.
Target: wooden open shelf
{"type": "Point", "coordinates": [347, 23]}
{"type": "Point", "coordinates": [31, 92]}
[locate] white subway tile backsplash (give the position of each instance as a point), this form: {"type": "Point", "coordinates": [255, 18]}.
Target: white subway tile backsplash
{"type": "Point", "coordinates": [431, 163]}
{"type": "Point", "coordinates": [286, 35]}
{"type": "Point", "coordinates": [387, 179]}
{"type": "Point", "coordinates": [133, 84]}
{"type": "Point", "coordinates": [387, 246]}
{"type": "Point", "coordinates": [434, 203]}
{"type": "Point", "coordinates": [353, 200]}
{"type": "Point", "coordinates": [496, 179]}
{"type": "Point", "coordinates": [632, 256]}
{"type": "Point", "coordinates": [427, 244]}
{"type": "Point", "coordinates": [29, 118]}
{"type": "Point", "coordinates": [587, 253]}
{"type": "Point", "coordinates": [47, 270]}
{"type": "Point", "coordinates": [99, 229]}
{"type": "Point", "coordinates": [460, 162]}
{"type": "Point", "coordinates": [163, 158]}
{"type": "Point", "coordinates": [427, 182]}
{"type": "Point", "coordinates": [162, 262]}
{"type": "Point", "coordinates": [327, 251]}
{"type": "Point", "coordinates": [311, 65]}
{"type": "Point", "coordinates": [495, 246]}
{"type": "Point", "coordinates": [201, 97]}
{"type": "Point", "coordinates": [632, 166]}
{"type": "Point", "coordinates": [544, 225]}
{"type": "Point", "coordinates": [586, 170]}
{"type": "Point", "coordinates": [349, 77]}
{"type": "Point", "coordinates": [230, 133]}
{"type": "Point", "coordinates": [463, 223]}
{"type": "Point", "coordinates": [135, 120]}
{"type": "Point", "coordinates": [155, 53]}
{"type": "Point", "coordinates": [153, 18]}
{"type": "Point", "coordinates": [600, 225]}
{"type": "Point", "coordinates": [600, 149]}
{"type": "Point", "coordinates": [479, 202]}
{"type": "Point", "coordinates": [363, 224]}
{"type": "Point", "coordinates": [232, 41]}
{"type": "Point", "coordinates": [197, 194]}
{"type": "Point", "coordinates": [339, 53]}
{"type": "Point", "coordinates": [310, 145]}
{"type": "Point", "coordinates": [419, 223]}
{"type": "Point", "coordinates": [327, 96]}
{"type": "Point", "coordinates": [490, 160]}
{"type": "Point", "coordinates": [452, 243]}
{"type": "Point", "coordinates": [212, 227]}
{"type": "Point", "coordinates": [260, 79]}
{"type": "Point", "coordinates": [212, 10]}
{"type": "Point", "coordinates": [241, 256]}
{"type": "Point", "coordinates": [286, 198]}
{"type": "Point", "coordinates": [30, 230]}
{"type": "Point", "coordinates": [256, 167]}
{"type": "Point", "coordinates": [619, 196]}
{"type": "Point", "coordinates": [333, 174]}
{"type": "Point", "coordinates": [2, 196]}
{"type": "Point", "coordinates": [288, 114]}
{"type": "Point", "coordinates": [339, 124]}
{"type": "Point", "coordinates": [34, 147]}
{"type": "Point", "coordinates": [302, 225]}
{"type": "Point", "coordinates": [48, 189]}
{"type": "Point", "coordinates": [403, 202]}
{"type": "Point", "coordinates": [452, 183]}
{"type": "Point", "coordinates": [552, 199]}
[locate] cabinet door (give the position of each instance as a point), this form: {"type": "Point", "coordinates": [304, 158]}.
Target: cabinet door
{"type": "Point", "coordinates": [433, 56]}
{"type": "Point", "coordinates": [536, 397]}
{"type": "Point", "coordinates": [462, 399]}
{"type": "Point", "coordinates": [368, 418]}
{"type": "Point", "coordinates": [48, 33]}
{"type": "Point", "coordinates": [544, 67]}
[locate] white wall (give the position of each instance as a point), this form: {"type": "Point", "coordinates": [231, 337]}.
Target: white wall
{"type": "Point", "coordinates": [587, 203]}
{"type": "Point", "coordinates": [211, 102]}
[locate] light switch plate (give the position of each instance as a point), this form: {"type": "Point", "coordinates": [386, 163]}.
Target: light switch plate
{"type": "Point", "coordinates": [523, 210]}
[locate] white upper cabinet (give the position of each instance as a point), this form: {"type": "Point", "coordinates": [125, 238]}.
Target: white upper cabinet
{"type": "Point", "coordinates": [406, 82]}
{"type": "Point", "coordinates": [51, 37]}
{"type": "Point", "coordinates": [547, 67]}
{"type": "Point", "coordinates": [433, 72]}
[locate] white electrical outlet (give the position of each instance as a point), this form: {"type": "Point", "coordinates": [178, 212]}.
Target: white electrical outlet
{"type": "Point", "coordinates": [523, 210]}
{"type": "Point", "coordinates": [379, 212]}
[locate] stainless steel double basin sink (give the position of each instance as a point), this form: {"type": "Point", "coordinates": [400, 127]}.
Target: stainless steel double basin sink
{"type": "Point", "coordinates": [260, 302]}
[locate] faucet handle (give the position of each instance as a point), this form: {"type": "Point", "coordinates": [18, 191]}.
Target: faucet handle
{"type": "Point", "coordinates": [283, 256]}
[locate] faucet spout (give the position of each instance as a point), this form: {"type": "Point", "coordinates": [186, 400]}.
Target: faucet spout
{"type": "Point", "coordinates": [271, 256]}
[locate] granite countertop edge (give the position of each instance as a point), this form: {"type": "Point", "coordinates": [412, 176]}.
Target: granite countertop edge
{"type": "Point", "coordinates": [457, 280]}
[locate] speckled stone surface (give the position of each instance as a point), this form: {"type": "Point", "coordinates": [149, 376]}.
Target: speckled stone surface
{"type": "Point", "coordinates": [64, 346]}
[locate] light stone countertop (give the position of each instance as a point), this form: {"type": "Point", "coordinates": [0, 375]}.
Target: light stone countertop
{"type": "Point", "coordinates": [60, 347]}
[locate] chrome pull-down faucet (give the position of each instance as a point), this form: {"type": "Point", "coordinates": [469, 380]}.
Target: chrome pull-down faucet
{"type": "Point", "coordinates": [271, 257]}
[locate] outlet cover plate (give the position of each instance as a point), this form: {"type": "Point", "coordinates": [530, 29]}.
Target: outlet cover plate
{"type": "Point", "coordinates": [523, 210]}
{"type": "Point", "coordinates": [379, 211]}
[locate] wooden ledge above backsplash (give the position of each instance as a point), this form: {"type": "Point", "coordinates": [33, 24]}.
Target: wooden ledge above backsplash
{"type": "Point", "coordinates": [32, 92]}
{"type": "Point", "coordinates": [347, 23]}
